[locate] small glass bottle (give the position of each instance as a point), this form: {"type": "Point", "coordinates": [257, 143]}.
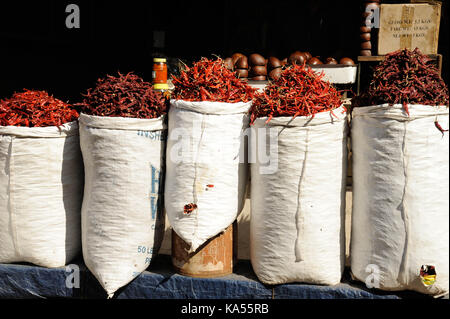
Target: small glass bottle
{"type": "Point", "coordinates": [160, 74]}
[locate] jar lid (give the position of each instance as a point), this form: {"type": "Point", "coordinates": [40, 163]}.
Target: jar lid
{"type": "Point", "coordinates": [159, 60]}
{"type": "Point", "coordinates": [161, 86]}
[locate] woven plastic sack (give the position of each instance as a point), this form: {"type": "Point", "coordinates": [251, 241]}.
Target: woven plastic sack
{"type": "Point", "coordinates": [400, 234]}
{"type": "Point", "coordinates": [298, 198]}
{"type": "Point", "coordinates": [41, 189]}
{"type": "Point", "coordinates": [206, 167]}
{"type": "Point", "coordinates": [122, 213]}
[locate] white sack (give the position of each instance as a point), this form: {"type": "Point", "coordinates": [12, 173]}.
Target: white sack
{"type": "Point", "coordinates": [400, 197]}
{"type": "Point", "coordinates": [297, 210]}
{"type": "Point", "coordinates": [41, 189]}
{"type": "Point", "coordinates": [203, 167]}
{"type": "Point", "coordinates": [122, 213]}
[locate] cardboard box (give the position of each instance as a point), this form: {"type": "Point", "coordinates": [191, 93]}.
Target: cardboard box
{"type": "Point", "coordinates": [409, 26]}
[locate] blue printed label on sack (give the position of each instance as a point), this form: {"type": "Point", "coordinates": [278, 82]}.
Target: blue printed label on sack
{"type": "Point", "coordinates": [154, 135]}
{"type": "Point", "coordinates": [156, 193]}
{"type": "Point", "coordinates": [147, 252]}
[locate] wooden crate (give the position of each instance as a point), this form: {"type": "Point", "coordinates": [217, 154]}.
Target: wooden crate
{"type": "Point", "coordinates": [409, 26]}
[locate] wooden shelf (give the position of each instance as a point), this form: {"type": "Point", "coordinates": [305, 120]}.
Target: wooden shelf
{"type": "Point", "coordinates": [379, 58]}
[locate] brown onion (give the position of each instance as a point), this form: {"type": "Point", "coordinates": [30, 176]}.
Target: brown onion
{"type": "Point", "coordinates": [236, 57]}
{"type": "Point", "coordinates": [331, 60]}
{"type": "Point", "coordinates": [257, 70]}
{"type": "Point", "coordinates": [256, 59]}
{"type": "Point", "coordinates": [273, 63]}
{"type": "Point", "coordinates": [297, 58]}
{"type": "Point", "coordinates": [367, 45]}
{"type": "Point", "coordinates": [346, 61]}
{"type": "Point", "coordinates": [307, 55]}
{"type": "Point", "coordinates": [258, 78]}
{"type": "Point", "coordinates": [242, 73]}
{"type": "Point", "coordinates": [275, 74]}
{"type": "Point", "coordinates": [365, 36]}
{"type": "Point", "coordinates": [314, 61]}
{"type": "Point", "coordinates": [241, 63]}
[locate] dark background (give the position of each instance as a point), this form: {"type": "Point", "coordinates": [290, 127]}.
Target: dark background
{"type": "Point", "coordinates": [37, 51]}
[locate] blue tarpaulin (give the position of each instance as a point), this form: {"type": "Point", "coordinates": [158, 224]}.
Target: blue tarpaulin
{"type": "Point", "coordinates": [161, 282]}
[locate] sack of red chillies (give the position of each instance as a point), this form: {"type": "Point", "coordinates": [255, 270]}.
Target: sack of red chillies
{"type": "Point", "coordinates": [122, 138]}
{"type": "Point", "coordinates": [41, 181]}
{"type": "Point", "coordinates": [400, 176]}
{"type": "Point", "coordinates": [207, 117]}
{"type": "Point", "coordinates": [298, 189]}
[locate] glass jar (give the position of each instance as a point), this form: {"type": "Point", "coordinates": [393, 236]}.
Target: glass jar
{"type": "Point", "coordinates": [160, 74]}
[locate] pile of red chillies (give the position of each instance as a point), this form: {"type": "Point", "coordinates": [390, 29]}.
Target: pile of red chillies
{"type": "Point", "coordinates": [35, 109]}
{"type": "Point", "coordinates": [209, 80]}
{"type": "Point", "coordinates": [124, 96]}
{"type": "Point", "coordinates": [405, 77]}
{"type": "Point", "coordinates": [298, 92]}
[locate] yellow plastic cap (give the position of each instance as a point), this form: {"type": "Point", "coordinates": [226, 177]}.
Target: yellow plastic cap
{"type": "Point", "coordinates": [161, 86]}
{"type": "Point", "coordinates": [159, 60]}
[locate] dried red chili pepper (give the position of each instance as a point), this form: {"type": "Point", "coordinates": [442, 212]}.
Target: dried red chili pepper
{"type": "Point", "coordinates": [124, 96]}
{"type": "Point", "coordinates": [189, 208]}
{"type": "Point", "coordinates": [405, 77]}
{"type": "Point", "coordinates": [439, 127]}
{"type": "Point", "coordinates": [299, 91]}
{"type": "Point", "coordinates": [35, 109]}
{"type": "Point", "coordinates": [209, 80]}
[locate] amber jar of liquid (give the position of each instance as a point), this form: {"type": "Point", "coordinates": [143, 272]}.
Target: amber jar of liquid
{"type": "Point", "coordinates": [160, 74]}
